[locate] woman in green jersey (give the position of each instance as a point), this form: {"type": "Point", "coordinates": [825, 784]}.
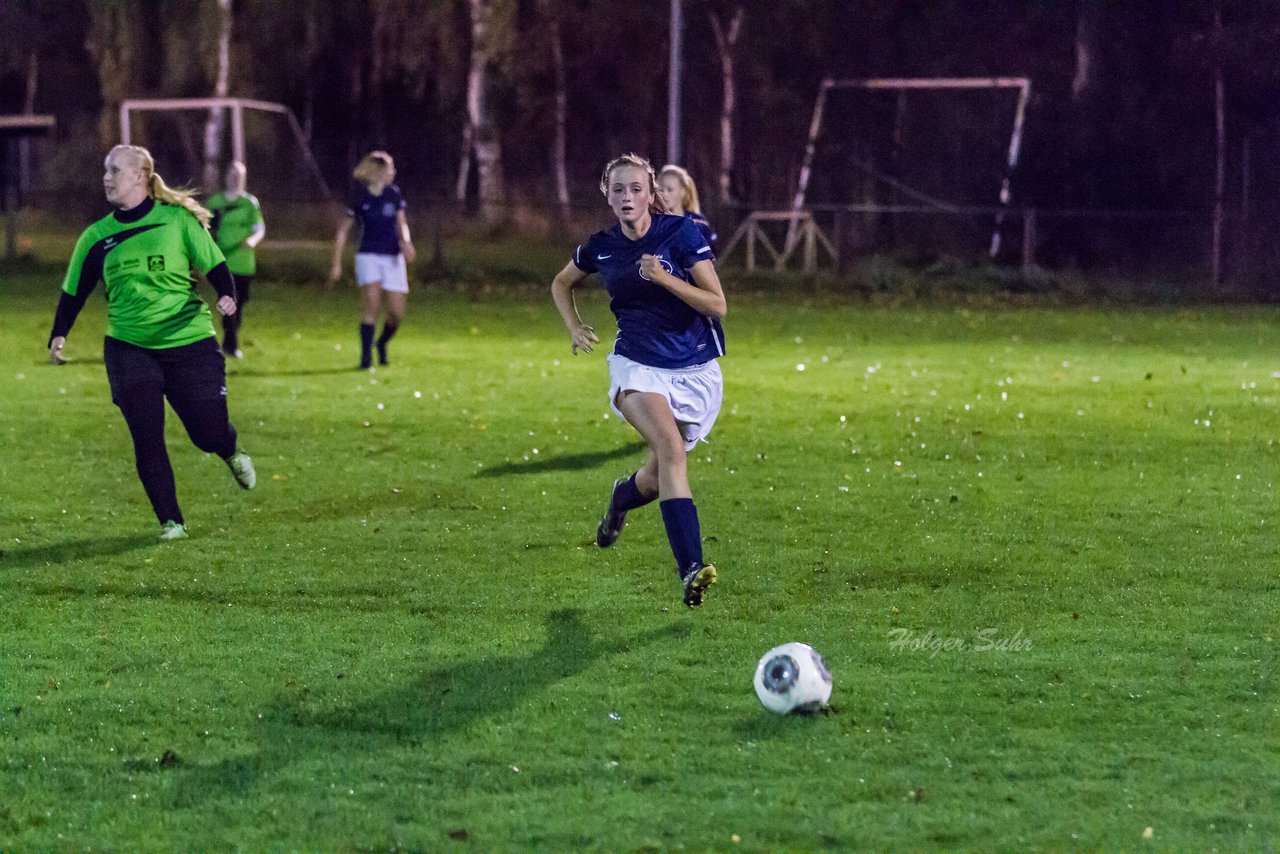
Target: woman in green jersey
{"type": "Point", "coordinates": [237, 228]}
{"type": "Point", "coordinates": [160, 342]}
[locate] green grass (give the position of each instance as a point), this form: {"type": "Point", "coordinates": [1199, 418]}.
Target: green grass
{"type": "Point", "coordinates": [404, 638]}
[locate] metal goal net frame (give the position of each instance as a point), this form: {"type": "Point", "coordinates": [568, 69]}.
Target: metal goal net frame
{"type": "Point", "coordinates": [1022, 86]}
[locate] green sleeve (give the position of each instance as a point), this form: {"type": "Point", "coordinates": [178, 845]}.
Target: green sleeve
{"type": "Point", "coordinates": [203, 253]}
{"type": "Point", "coordinates": [79, 269]}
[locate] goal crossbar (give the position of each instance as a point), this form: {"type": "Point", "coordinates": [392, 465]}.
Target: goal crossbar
{"type": "Point", "coordinates": [237, 106]}
{"type": "Point", "coordinates": [1021, 84]}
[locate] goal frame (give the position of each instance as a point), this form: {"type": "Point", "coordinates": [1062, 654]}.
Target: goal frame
{"type": "Point", "coordinates": [237, 106]}
{"type": "Point", "coordinates": [1021, 84]}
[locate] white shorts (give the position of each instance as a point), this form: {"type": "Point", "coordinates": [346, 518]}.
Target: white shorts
{"type": "Point", "coordinates": [694, 394]}
{"type": "Point", "coordinates": [388, 269]}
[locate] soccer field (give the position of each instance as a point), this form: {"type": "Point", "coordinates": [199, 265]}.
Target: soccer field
{"type": "Point", "coordinates": [1037, 548]}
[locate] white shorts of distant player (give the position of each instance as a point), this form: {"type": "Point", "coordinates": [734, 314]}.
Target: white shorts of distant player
{"type": "Point", "coordinates": [388, 269]}
{"type": "Point", "coordinates": [694, 393]}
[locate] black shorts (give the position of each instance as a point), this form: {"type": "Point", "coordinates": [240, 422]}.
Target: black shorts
{"type": "Point", "coordinates": [190, 373]}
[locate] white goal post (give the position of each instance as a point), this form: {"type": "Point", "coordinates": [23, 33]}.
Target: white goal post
{"type": "Point", "coordinates": [237, 106]}
{"type": "Point", "coordinates": [1021, 84]}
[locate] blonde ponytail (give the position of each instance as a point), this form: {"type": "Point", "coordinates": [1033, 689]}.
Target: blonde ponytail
{"type": "Point", "coordinates": [159, 190]}
{"type": "Point", "coordinates": [162, 192]}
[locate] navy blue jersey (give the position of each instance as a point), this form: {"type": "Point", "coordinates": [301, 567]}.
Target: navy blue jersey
{"type": "Point", "coordinates": [704, 226]}
{"type": "Point", "coordinates": [376, 216]}
{"type": "Point", "coordinates": [655, 327]}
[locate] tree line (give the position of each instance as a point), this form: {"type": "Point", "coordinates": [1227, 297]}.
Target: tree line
{"type": "Point", "coordinates": [1135, 106]}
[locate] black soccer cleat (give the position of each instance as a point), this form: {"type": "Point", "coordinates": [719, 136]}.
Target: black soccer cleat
{"type": "Point", "coordinates": [613, 520]}
{"type": "Point", "coordinates": [697, 579]}
{"type": "Point", "coordinates": [382, 353]}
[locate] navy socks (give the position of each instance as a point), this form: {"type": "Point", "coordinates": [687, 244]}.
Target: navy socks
{"type": "Point", "coordinates": [388, 330]}
{"type": "Point", "coordinates": [366, 345]}
{"type": "Point", "coordinates": [627, 496]}
{"type": "Point", "coordinates": [681, 520]}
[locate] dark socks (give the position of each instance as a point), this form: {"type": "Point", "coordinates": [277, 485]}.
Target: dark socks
{"type": "Point", "coordinates": [681, 520]}
{"type": "Point", "coordinates": [627, 496]}
{"type": "Point", "coordinates": [366, 345]}
{"type": "Point", "coordinates": [388, 331]}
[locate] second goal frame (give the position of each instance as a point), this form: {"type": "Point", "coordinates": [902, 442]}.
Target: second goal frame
{"type": "Point", "coordinates": [1021, 84]}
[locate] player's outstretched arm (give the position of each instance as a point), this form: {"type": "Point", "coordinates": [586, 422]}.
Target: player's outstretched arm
{"type": "Point", "coordinates": [339, 243]}
{"type": "Point", "coordinates": [581, 336]}
{"type": "Point", "coordinates": [406, 244]}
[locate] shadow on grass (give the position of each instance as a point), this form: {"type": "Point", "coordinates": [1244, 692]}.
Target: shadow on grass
{"type": "Point", "coordinates": [421, 711]}
{"type": "Point", "coordinates": [569, 462]}
{"type": "Point", "coordinates": [70, 550]}
{"type": "Point", "coordinates": [235, 371]}
{"type": "Point", "coordinates": [763, 725]}
{"type": "Point", "coordinates": [71, 363]}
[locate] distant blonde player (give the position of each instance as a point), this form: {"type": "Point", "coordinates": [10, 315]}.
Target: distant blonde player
{"type": "Point", "coordinates": [680, 197]}
{"type": "Point", "coordinates": [664, 377]}
{"type": "Point", "coordinates": [384, 252]}
{"type": "Point", "coordinates": [237, 228]}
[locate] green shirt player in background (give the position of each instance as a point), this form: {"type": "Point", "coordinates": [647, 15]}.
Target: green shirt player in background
{"type": "Point", "coordinates": [237, 228]}
{"type": "Point", "coordinates": [160, 342]}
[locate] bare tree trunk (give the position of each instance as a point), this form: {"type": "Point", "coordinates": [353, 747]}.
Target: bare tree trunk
{"type": "Point", "coordinates": [485, 143]}
{"type": "Point", "coordinates": [560, 143]}
{"type": "Point", "coordinates": [464, 166]}
{"type": "Point", "coordinates": [1088, 54]}
{"type": "Point", "coordinates": [378, 71]}
{"type": "Point", "coordinates": [1220, 125]}
{"type": "Point", "coordinates": [29, 108]}
{"type": "Point", "coordinates": [311, 48]}
{"type": "Point", "coordinates": [216, 123]}
{"type": "Point", "coordinates": [725, 43]}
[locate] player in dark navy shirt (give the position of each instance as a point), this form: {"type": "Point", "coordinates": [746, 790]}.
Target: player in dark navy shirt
{"type": "Point", "coordinates": [663, 375]}
{"type": "Point", "coordinates": [383, 253]}
{"type": "Point", "coordinates": [680, 197]}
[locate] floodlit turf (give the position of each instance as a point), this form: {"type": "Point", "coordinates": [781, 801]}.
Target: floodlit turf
{"type": "Point", "coordinates": [1038, 548]}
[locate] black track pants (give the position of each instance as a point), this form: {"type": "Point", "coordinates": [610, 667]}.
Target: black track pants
{"type": "Point", "coordinates": [193, 378]}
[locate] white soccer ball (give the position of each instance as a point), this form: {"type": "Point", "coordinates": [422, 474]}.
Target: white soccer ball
{"type": "Point", "coordinates": [793, 678]}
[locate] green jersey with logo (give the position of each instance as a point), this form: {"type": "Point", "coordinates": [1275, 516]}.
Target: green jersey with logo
{"type": "Point", "coordinates": [234, 220]}
{"type": "Point", "coordinates": [145, 267]}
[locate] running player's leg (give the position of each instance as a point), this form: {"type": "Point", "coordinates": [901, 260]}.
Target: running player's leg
{"type": "Point", "coordinates": [651, 415]}
{"type": "Point", "coordinates": [195, 381]}
{"type": "Point", "coordinates": [629, 493]}
{"type": "Point", "coordinates": [395, 314]}
{"type": "Point", "coordinates": [137, 388]}
{"type": "Point", "coordinates": [370, 302]}
{"type": "Point", "coordinates": [196, 385]}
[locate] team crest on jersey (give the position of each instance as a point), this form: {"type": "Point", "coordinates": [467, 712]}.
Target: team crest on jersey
{"type": "Point", "coordinates": [666, 265]}
{"type": "Point", "coordinates": [155, 263]}
{"type": "Point", "coordinates": [388, 210]}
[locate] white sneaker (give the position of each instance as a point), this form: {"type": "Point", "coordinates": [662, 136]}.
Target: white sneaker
{"type": "Point", "coordinates": [241, 466]}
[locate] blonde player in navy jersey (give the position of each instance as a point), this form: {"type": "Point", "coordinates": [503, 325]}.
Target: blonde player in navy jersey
{"type": "Point", "coordinates": [680, 197]}
{"type": "Point", "coordinates": [663, 375]}
{"type": "Point", "coordinates": [384, 249]}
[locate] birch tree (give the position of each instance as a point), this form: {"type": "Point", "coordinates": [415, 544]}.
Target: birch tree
{"type": "Point", "coordinates": [481, 138]}
{"type": "Point", "coordinates": [559, 144]}
{"type": "Point", "coordinates": [726, 40]}
{"type": "Point", "coordinates": [214, 126]}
